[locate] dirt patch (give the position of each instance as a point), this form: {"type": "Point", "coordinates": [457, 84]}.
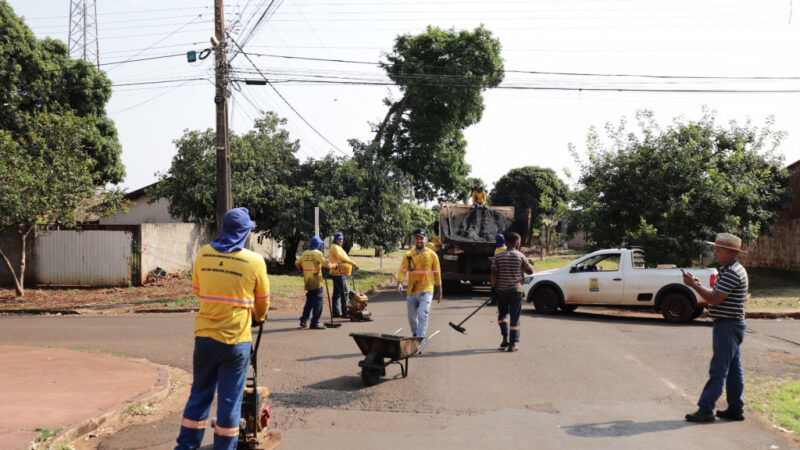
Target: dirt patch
{"type": "Point", "coordinates": [169, 293]}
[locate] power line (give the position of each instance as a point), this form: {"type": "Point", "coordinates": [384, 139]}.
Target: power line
{"type": "Point", "coordinates": [284, 99]}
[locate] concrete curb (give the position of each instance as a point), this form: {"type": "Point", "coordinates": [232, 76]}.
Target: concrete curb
{"type": "Point", "coordinates": [160, 392]}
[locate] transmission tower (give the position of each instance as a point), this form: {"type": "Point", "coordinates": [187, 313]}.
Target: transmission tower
{"type": "Point", "coordinates": [83, 39]}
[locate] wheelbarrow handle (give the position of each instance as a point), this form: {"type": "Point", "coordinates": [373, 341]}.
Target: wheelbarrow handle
{"type": "Point", "coordinates": [425, 341]}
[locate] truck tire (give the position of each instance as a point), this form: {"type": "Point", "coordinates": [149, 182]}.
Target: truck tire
{"type": "Point", "coordinates": [568, 308]}
{"type": "Point", "coordinates": [676, 308]}
{"type": "Point", "coordinates": [546, 300]}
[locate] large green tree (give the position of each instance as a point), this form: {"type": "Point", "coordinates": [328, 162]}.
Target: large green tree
{"type": "Point", "coordinates": [441, 75]}
{"type": "Point", "coordinates": [264, 178]}
{"type": "Point", "coordinates": [47, 179]}
{"type": "Point", "coordinates": [665, 189]}
{"type": "Point", "coordinates": [37, 76]}
{"type": "Point", "coordinates": [537, 188]}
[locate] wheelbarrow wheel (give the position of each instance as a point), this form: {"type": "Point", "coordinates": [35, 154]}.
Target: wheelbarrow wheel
{"type": "Point", "coordinates": [370, 373]}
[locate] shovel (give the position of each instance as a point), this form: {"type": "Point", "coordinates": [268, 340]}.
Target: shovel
{"type": "Point", "coordinates": [461, 329]}
{"type": "Point", "coordinates": [330, 324]}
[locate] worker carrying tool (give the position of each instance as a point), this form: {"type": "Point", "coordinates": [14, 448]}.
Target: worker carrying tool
{"type": "Point", "coordinates": [311, 262]}
{"type": "Point", "coordinates": [508, 269]}
{"type": "Point", "coordinates": [478, 197]}
{"type": "Point", "coordinates": [421, 264]}
{"type": "Point", "coordinates": [231, 283]}
{"type": "Point", "coordinates": [337, 255]}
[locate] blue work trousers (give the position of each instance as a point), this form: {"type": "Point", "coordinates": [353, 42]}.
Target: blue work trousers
{"type": "Point", "coordinates": [509, 304]}
{"type": "Point", "coordinates": [313, 307]}
{"type": "Point", "coordinates": [726, 367]}
{"type": "Point", "coordinates": [216, 367]}
{"type": "Point", "coordinates": [418, 306]}
{"type": "Point", "coordinates": [340, 292]}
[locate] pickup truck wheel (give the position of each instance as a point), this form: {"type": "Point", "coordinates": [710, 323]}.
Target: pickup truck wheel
{"type": "Point", "coordinates": [677, 308]}
{"type": "Point", "coordinates": [545, 300]}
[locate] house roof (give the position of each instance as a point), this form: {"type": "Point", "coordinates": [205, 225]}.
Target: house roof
{"type": "Point", "coordinates": [132, 195]}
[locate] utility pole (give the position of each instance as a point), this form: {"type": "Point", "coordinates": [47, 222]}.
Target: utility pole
{"type": "Point", "coordinates": [224, 196]}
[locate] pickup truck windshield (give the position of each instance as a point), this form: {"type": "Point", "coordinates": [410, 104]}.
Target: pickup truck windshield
{"type": "Point", "coordinates": [599, 263]}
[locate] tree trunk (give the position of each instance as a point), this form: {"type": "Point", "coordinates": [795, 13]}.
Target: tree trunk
{"type": "Point", "coordinates": [19, 280]}
{"type": "Point", "coordinates": [290, 250]}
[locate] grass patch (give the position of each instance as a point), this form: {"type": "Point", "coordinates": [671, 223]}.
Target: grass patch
{"type": "Point", "coordinates": [777, 400]}
{"type": "Point", "coordinates": [45, 433]}
{"type": "Point", "coordinates": [553, 262]}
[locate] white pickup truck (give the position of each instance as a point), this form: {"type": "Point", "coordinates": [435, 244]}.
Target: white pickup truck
{"type": "Point", "coordinates": [616, 277]}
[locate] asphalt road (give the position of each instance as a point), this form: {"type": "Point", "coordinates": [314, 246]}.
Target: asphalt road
{"type": "Point", "coordinates": [583, 380]}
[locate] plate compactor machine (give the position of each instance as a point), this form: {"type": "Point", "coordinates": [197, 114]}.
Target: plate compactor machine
{"type": "Point", "coordinates": [357, 306]}
{"type": "Point", "coordinates": [256, 414]}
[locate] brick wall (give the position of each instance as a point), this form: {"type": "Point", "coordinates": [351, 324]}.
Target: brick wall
{"type": "Point", "coordinates": [781, 251]}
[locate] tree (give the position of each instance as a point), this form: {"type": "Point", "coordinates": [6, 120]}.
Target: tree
{"type": "Point", "coordinates": [667, 189]}
{"type": "Point", "coordinates": [537, 188]}
{"type": "Point", "coordinates": [39, 77]}
{"type": "Point", "coordinates": [441, 75]}
{"type": "Point", "coordinates": [264, 178]}
{"type": "Point", "coordinates": [47, 179]}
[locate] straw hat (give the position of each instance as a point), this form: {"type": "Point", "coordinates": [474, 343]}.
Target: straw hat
{"type": "Point", "coordinates": [729, 241]}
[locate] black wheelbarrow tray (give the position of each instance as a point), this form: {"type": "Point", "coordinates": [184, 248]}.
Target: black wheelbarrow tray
{"type": "Point", "coordinates": [380, 350]}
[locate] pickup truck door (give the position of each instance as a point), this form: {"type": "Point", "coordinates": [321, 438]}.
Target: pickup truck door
{"type": "Point", "coordinates": [597, 280]}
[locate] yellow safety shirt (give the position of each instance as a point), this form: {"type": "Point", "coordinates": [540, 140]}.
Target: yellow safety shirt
{"type": "Point", "coordinates": [230, 287]}
{"type": "Point", "coordinates": [478, 198]}
{"type": "Point", "coordinates": [499, 249]}
{"type": "Point", "coordinates": [311, 262]}
{"type": "Point", "coordinates": [337, 255]}
{"type": "Point", "coordinates": [423, 271]}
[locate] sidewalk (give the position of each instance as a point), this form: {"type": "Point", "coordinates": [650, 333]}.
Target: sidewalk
{"type": "Point", "coordinates": [50, 388]}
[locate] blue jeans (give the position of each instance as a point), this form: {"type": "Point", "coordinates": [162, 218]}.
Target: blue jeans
{"type": "Point", "coordinates": [726, 367]}
{"type": "Point", "coordinates": [312, 307]}
{"type": "Point", "coordinates": [339, 295]}
{"type": "Point", "coordinates": [418, 307]}
{"type": "Point", "coordinates": [509, 304]}
{"type": "Point", "coordinates": [216, 367]}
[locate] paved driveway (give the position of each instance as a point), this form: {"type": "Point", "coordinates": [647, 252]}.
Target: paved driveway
{"type": "Point", "coordinates": [585, 380]}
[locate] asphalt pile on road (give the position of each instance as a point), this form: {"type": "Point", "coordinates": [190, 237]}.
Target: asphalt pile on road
{"type": "Point", "coordinates": [480, 225]}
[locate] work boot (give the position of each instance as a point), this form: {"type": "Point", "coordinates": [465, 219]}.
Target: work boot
{"type": "Point", "coordinates": [512, 347]}
{"type": "Point", "coordinates": [336, 314]}
{"type": "Point", "coordinates": [727, 414]}
{"type": "Point", "coordinates": [504, 344]}
{"type": "Point", "coordinates": [317, 327]}
{"type": "Point", "coordinates": [700, 416]}
{"type": "Point", "coordinates": [302, 324]}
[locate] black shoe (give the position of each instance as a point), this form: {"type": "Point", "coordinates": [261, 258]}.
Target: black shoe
{"type": "Point", "coordinates": [700, 416]}
{"type": "Point", "coordinates": [504, 344]}
{"type": "Point", "coordinates": [728, 415]}
{"type": "Point", "coordinates": [512, 347]}
{"type": "Point", "coordinates": [316, 327]}
{"type": "Point", "coordinates": [302, 324]}
{"type": "Point", "coordinates": [336, 314]}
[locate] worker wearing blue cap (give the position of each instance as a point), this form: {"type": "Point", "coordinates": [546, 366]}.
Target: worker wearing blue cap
{"type": "Point", "coordinates": [342, 268]}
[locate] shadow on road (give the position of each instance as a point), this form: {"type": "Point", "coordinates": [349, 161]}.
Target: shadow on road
{"type": "Point", "coordinates": [620, 428]}
{"type": "Point", "coordinates": [610, 317]}
{"type": "Point", "coordinates": [340, 356]}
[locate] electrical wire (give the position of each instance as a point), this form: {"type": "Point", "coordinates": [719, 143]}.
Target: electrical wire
{"type": "Point", "coordinates": [286, 101]}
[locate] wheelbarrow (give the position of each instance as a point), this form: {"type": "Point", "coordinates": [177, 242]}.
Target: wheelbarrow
{"type": "Point", "coordinates": [381, 350]}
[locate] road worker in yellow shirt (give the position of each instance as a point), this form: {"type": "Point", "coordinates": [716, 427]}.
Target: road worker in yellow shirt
{"type": "Point", "coordinates": [342, 268]}
{"type": "Point", "coordinates": [231, 283]}
{"type": "Point", "coordinates": [478, 197]}
{"type": "Point", "coordinates": [421, 265]}
{"type": "Point", "coordinates": [311, 262]}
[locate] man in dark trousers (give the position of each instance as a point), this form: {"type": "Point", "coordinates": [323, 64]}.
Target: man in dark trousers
{"type": "Point", "coordinates": [508, 269]}
{"type": "Point", "coordinates": [725, 304]}
{"type": "Point", "coordinates": [231, 283]}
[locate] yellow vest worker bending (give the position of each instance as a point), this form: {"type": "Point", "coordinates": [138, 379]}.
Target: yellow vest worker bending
{"type": "Point", "coordinates": [342, 267]}
{"type": "Point", "coordinates": [233, 289]}
{"type": "Point", "coordinates": [424, 281]}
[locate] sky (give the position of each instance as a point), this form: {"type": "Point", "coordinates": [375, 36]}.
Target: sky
{"type": "Point", "coordinates": [557, 54]}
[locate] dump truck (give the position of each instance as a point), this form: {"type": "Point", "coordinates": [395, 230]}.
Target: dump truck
{"type": "Point", "coordinates": [467, 240]}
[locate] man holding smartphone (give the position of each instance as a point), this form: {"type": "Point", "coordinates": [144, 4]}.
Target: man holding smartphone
{"type": "Point", "coordinates": [725, 304]}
